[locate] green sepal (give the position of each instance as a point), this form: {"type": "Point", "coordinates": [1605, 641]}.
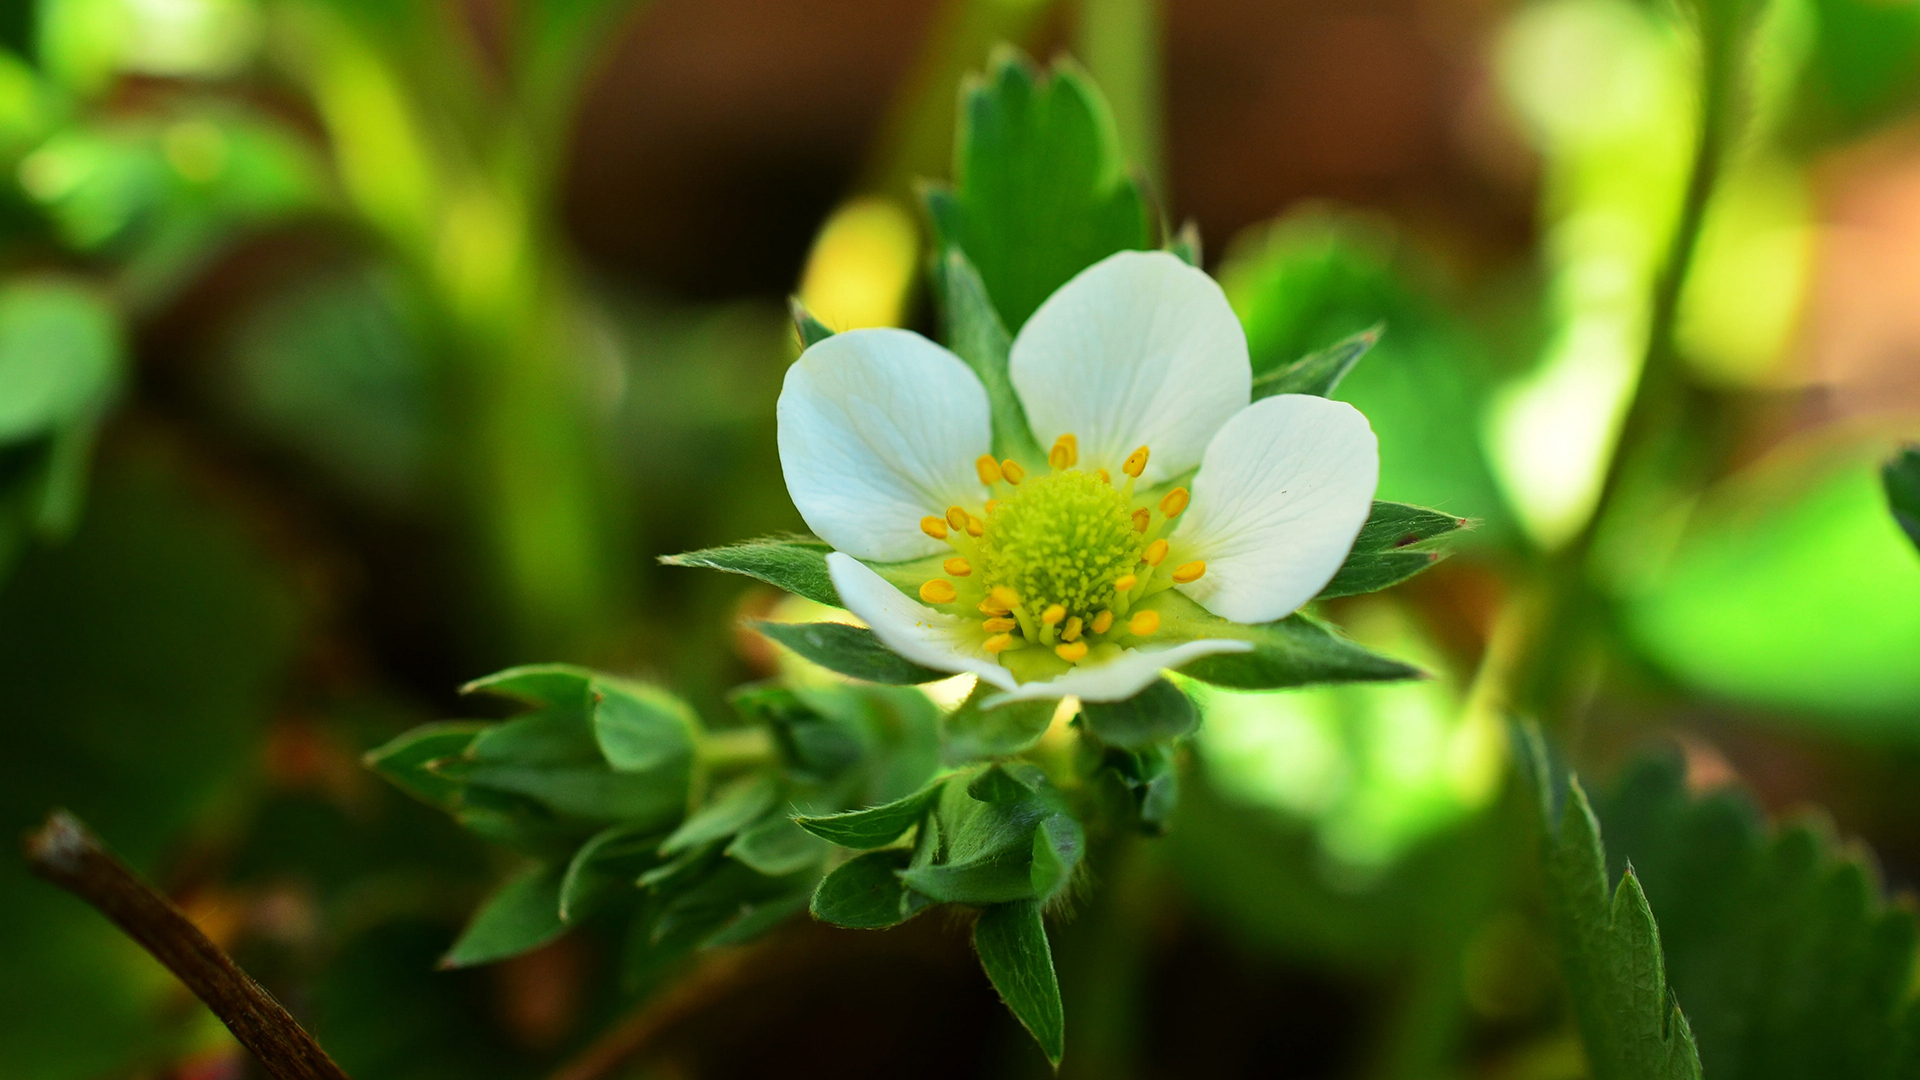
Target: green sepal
{"type": "Point", "coordinates": [810, 330]}
{"type": "Point", "coordinates": [991, 879]}
{"type": "Point", "coordinates": [865, 892]}
{"type": "Point", "coordinates": [1012, 942]}
{"type": "Point", "coordinates": [976, 335]}
{"type": "Point", "coordinates": [406, 761]}
{"type": "Point", "coordinates": [1318, 373]}
{"type": "Point", "coordinates": [850, 650]}
{"type": "Point", "coordinates": [586, 792]}
{"type": "Point", "coordinates": [1040, 189]}
{"type": "Point", "coordinates": [973, 732]}
{"type": "Point", "coordinates": [1902, 479]}
{"type": "Point", "coordinates": [543, 686]}
{"type": "Point", "coordinates": [1160, 713]}
{"type": "Point", "coordinates": [875, 826]}
{"type": "Point", "coordinates": [797, 564]}
{"type": "Point", "coordinates": [1185, 244]}
{"type": "Point", "coordinates": [985, 832]}
{"type": "Point", "coordinates": [997, 784]}
{"type": "Point", "coordinates": [777, 847]}
{"type": "Point", "coordinates": [735, 809]}
{"type": "Point", "coordinates": [1294, 651]}
{"type": "Point", "coordinates": [521, 915]}
{"type": "Point", "coordinates": [1390, 548]}
{"type": "Point", "coordinates": [682, 870]}
{"type": "Point", "coordinates": [605, 868]}
{"type": "Point", "coordinates": [639, 727]}
{"type": "Point", "coordinates": [559, 737]}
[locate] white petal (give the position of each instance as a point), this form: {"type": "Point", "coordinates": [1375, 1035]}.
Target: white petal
{"type": "Point", "coordinates": [908, 627]}
{"type": "Point", "coordinates": [1283, 491]}
{"type": "Point", "coordinates": [878, 429]}
{"type": "Point", "coordinates": [1123, 676]}
{"type": "Point", "coordinates": [1138, 349]}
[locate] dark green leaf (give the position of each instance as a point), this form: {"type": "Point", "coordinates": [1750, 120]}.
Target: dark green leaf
{"type": "Point", "coordinates": [849, 650]}
{"type": "Point", "coordinates": [1012, 942]}
{"type": "Point", "coordinates": [991, 879]}
{"type": "Point", "coordinates": [607, 868]}
{"type": "Point", "coordinates": [1040, 191]}
{"type": "Point", "coordinates": [404, 761]}
{"type": "Point", "coordinates": [997, 784]}
{"type": "Point", "coordinates": [589, 793]}
{"type": "Point", "coordinates": [736, 808]}
{"type": "Point", "coordinates": [1902, 479]}
{"type": "Point", "coordinates": [757, 918]}
{"type": "Point", "coordinates": [560, 687]}
{"type": "Point", "coordinates": [1295, 651]}
{"type": "Point", "coordinates": [811, 330]}
{"type": "Point", "coordinates": [974, 733]}
{"type": "Point", "coordinates": [777, 847]}
{"type": "Point", "coordinates": [1159, 713]}
{"type": "Point", "coordinates": [1388, 549]}
{"type": "Point", "coordinates": [865, 892]}
{"type": "Point", "coordinates": [542, 738]}
{"type": "Point", "coordinates": [524, 914]}
{"type": "Point", "coordinates": [1058, 845]}
{"type": "Point", "coordinates": [898, 728]}
{"type": "Point", "coordinates": [642, 728]}
{"type": "Point", "coordinates": [876, 826]}
{"type": "Point", "coordinates": [1609, 946]}
{"type": "Point", "coordinates": [797, 564]}
{"type": "Point", "coordinates": [1317, 373]}
{"type": "Point", "coordinates": [975, 333]}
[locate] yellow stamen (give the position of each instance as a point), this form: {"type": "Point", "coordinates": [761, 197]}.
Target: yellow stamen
{"type": "Point", "coordinates": [1155, 554]}
{"type": "Point", "coordinates": [1011, 471]}
{"type": "Point", "coordinates": [938, 591]}
{"type": "Point", "coordinates": [1073, 652]}
{"type": "Point", "coordinates": [992, 505]}
{"type": "Point", "coordinates": [1065, 453]}
{"type": "Point", "coordinates": [1143, 623]}
{"type": "Point", "coordinates": [1125, 582]}
{"type": "Point", "coordinates": [1175, 502]}
{"type": "Point", "coordinates": [998, 624]}
{"type": "Point", "coordinates": [988, 469]}
{"type": "Point", "coordinates": [1136, 463]}
{"type": "Point", "coordinates": [1187, 572]}
{"type": "Point", "coordinates": [998, 643]}
{"type": "Point", "coordinates": [1105, 476]}
{"type": "Point", "coordinates": [1006, 599]}
{"type": "Point", "coordinates": [1071, 631]}
{"type": "Point", "coordinates": [1102, 622]}
{"type": "Point", "coordinates": [975, 527]}
{"type": "Point", "coordinates": [1053, 614]}
{"type": "Point", "coordinates": [934, 527]}
{"type": "Point", "coordinates": [990, 607]}
{"type": "Point", "coordinates": [1141, 519]}
{"type": "Point", "coordinates": [957, 566]}
{"type": "Point", "coordinates": [956, 517]}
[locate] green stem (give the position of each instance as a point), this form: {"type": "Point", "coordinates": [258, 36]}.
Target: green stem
{"type": "Point", "coordinates": [735, 749]}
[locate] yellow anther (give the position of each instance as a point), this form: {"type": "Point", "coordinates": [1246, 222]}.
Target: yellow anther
{"type": "Point", "coordinates": [988, 469]}
{"type": "Point", "coordinates": [957, 517]}
{"type": "Point", "coordinates": [1011, 471]}
{"type": "Point", "coordinates": [1071, 631]}
{"type": "Point", "coordinates": [999, 624]}
{"type": "Point", "coordinates": [934, 526]}
{"type": "Point", "coordinates": [1053, 614]}
{"type": "Point", "coordinates": [1175, 502]}
{"type": "Point", "coordinates": [957, 566]}
{"type": "Point", "coordinates": [992, 505]}
{"type": "Point", "coordinates": [976, 528]}
{"type": "Point", "coordinates": [1187, 572]}
{"type": "Point", "coordinates": [1136, 463]}
{"type": "Point", "coordinates": [1143, 623]}
{"type": "Point", "coordinates": [1072, 652]}
{"type": "Point", "coordinates": [991, 607]}
{"type": "Point", "coordinates": [998, 643]}
{"type": "Point", "coordinates": [1125, 582]}
{"type": "Point", "coordinates": [1142, 518]}
{"type": "Point", "coordinates": [938, 591]}
{"type": "Point", "coordinates": [1004, 598]}
{"type": "Point", "coordinates": [1065, 453]}
{"type": "Point", "coordinates": [1155, 554]}
{"type": "Point", "coordinates": [1102, 622]}
{"type": "Point", "coordinates": [1105, 476]}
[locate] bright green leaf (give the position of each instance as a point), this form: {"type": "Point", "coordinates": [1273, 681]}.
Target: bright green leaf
{"type": "Point", "coordinates": [1012, 942]}
{"type": "Point", "coordinates": [523, 914]}
{"type": "Point", "coordinates": [797, 564]}
{"type": "Point", "coordinates": [61, 357]}
{"type": "Point", "coordinates": [865, 892]}
{"type": "Point", "coordinates": [777, 847]}
{"type": "Point", "coordinates": [1317, 373]}
{"type": "Point", "coordinates": [1295, 651]}
{"type": "Point", "coordinates": [736, 808]}
{"type": "Point", "coordinates": [1389, 548]}
{"type": "Point", "coordinates": [642, 728]}
{"type": "Point", "coordinates": [1159, 713]}
{"type": "Point", "coordinates": [849, 650]}
{"type": "Point", "coordinates": [876, 826]}
{"type": "Point", "coordinates": [560, 687]}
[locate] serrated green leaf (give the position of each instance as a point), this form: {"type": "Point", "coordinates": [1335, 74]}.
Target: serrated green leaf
{"type": "Point", "coordinates": [606, 868]}
{"type": "Point", "coordinates": [973, 732]}
{"type": "Point", "coordinates": [1318, 373]}
{"type": "Point", "coordinates": [865, 892]}
{"type": "Point", "coordinates": [875, 826]}
{"type": "Point", "coordinates": [1160, 713]}
{"type": "Point", "coordinates": [810, 330]}
{"type": "Point", "coordinates": [850, 650]}
{"type": "Point", "coordinates": [642, 728]}
{"type": "Point", "coordinates": [1040, 191]}
{"type": "Point", "coordinates": [797, 564]}
{"type": "Point", "coordinates": [548, 686]}
{"type": "Point", "coordinates": [975, 334]}
{"type": "Point", "coordinates": [1902, 480]}
{"type": "Point", "coordinates": [405, 760]}
{"type": "Point", "coordinates": [738, 807]}
{"type": "Point", "coordinates": [1012, 942]}
{"type": "Point", "coordinates": [1389, 548]}
{"type": "Point", "coordinates": [1608, 942]}
{"type": "Point", "coordinates": [523, 914]}
{"type": "Point", "coordinates": [777, 847]}
{"type": "Point", "coordinates": [1294, 651]}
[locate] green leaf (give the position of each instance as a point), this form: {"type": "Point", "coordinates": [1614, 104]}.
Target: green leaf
{"type": "Point", "coordinates": [1058, 845]}
{"type": "Point", "coordinates": [523, 914]}
{"type": "Point", "coordinates": [973, 732]}
{"type": "Point", "coordinates": [1388, 549]}
{"type": "Point", "coordinates": [990, 879]}
{"type": "Point", "coordinates": [587, 793]}
{"type": "Point", "coordinates": [1040, 191]}
{"type": "Point", "coordinates": [61, 357]}
{"type": "Point", "coordinates": [1160, 713]}
{"type": "Point", "coordinates": [1295, 651]}
{"type": "Point", "coordinates": [642, 728]}
{"type": "Point", "coordinates": [1012, 942]}
{"type": "Point", "coordinates": [1318, 373]}
{"type": "Point", "coordinates": [736, 808]}
{"type": "Point", "coordinates": [777, 847]}
{"type": "Point", "coordinates": [560, 687]}
{"type": "Point", "coordinates": [997, 784]}
{"type": "Point", "coordinates": [811, 330]}
{"type": "Point", "coordinates": [1185, 244]}
{"type": "Point", "coordinates": [1902, 480]}
{"type": "Point", "coordinates": [797, 564]}
{"type": "Point", "coordinates": [985, 837]}
{"type": "Point", "coordinates": [876, 826]}
{"type": "Point", "coordinates": [975, 333]}
{"type": "Point", "coordinates": [849, 650]}
{"type": "Point", "coordinates": [865, 892]}
{"type": "Point", "coordinates": [542, 738]}
{"type": "Point", "coordinates": [606, 868]}
{"type": "Point", "coordinates": [404, 761]}
{"type": "Point", "coordinates": [1609, 946]}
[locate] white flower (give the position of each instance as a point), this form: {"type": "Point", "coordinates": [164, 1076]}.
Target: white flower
{"type": "Point", "coordinates": [1044, 577]}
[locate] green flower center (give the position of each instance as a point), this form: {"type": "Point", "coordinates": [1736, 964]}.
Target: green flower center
{"type": "Point", "coordinates": [1064, 539]}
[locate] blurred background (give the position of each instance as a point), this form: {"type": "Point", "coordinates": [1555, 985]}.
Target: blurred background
{"type": "Point", "coordinates": [351, 349]}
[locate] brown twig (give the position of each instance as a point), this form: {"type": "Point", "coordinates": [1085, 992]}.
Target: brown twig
{"type": "Point", "coordinates": [64, 852]}
{"type": "Point", "coordinates": [715, 974]}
